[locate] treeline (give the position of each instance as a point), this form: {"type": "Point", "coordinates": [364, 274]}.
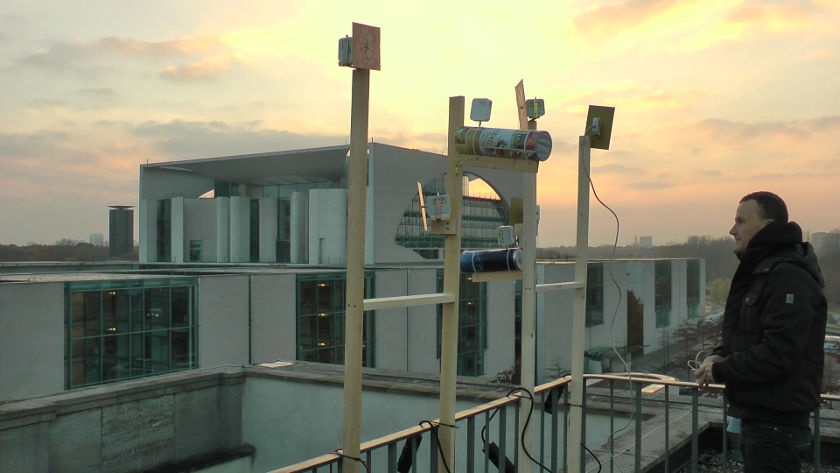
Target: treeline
{"type": "Point", "coordinates": [63, 250]}
{"type": "Point", "coordinates": [717, 252]}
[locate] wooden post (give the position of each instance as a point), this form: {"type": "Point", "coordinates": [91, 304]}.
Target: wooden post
{"type": "Point", "coordinates": [355, 283]}
{"type": "Point", "coordinates": [451, 285]}
{"type": "Point", "coordinates": [575, 444]}
{"type": "Point", "coordinates": [528, 351]}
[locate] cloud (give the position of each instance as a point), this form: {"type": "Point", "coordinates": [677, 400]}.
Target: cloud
{"type": "Point", "coordinates": [616, 16]}
{"type": "Point", "coordinates": [750, 21]}
{"type": "Point", "coordinates": [105, 93]}
{"type": "Point", "coordinates": [183, 139]}
{"type": "Point", "coordinates": [208, 68]}
{"type": "Point", "coordinates": [618, 169]}
{"type": "Point", "coordinates": [824, 54]}
{"type": "Point", "coordinates": [729, 131]}
{"type": "Point", "coordinates": [661, 181]}
{"type": "Point", "coordinates": [182, 46]}
{"type": "Point", "coordinates": [37, 144]}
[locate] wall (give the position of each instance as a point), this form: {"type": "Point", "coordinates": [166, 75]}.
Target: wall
{"type": "Point", "coordinates": [124, 427]}
{"type": "Point", "coordinates": [200, 224]}
{"type": "Point", "coordinates": [31, 340]}
{"type": "Point", "coordinates": [223, 323]}
{"type": "Point", "coordinates": [273, 317]}
{"type": "Point", "coordinates": [327, 226]}
{"type": "Point", "coordinates": [501, 327]}
{"type": "Point", "coordinates": [268, 229]}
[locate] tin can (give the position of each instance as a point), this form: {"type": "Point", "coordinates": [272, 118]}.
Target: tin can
{"type": "Point", "coordinates": [502, 143]}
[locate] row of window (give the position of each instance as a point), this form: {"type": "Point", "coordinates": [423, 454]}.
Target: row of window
{"type": "Point", "coordinates": [129, 329]}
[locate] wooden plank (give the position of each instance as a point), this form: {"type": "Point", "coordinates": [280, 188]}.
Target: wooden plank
{"type": "Point", "coordinates": [558, 286]}
{"type": "Point", "coordinates": [355, 291]}
{"type": "Point", "coordinates": [398, 302]}
{"type": "Point", "coordinates": [451, 285]}
{"type": "Point", "coordinates": [497, 276]}
{"type": "Point", "coordinates": [504, 164]}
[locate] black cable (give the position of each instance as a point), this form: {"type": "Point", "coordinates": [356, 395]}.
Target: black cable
{"type": "Point", "coordinates": [437, 439]}
{"type": "Point", "coordinates": [342, 455]}
{"type": "Point", "coordinates": [593, 456]}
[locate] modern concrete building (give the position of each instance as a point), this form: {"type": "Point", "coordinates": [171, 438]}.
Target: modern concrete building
{"type": "Point", "coordinates": [197, 301]}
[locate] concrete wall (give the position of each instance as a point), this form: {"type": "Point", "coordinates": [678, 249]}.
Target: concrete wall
{"type": "Point", "coordinates": [268, 229]}
{"type": "Point", "coordinates": [273, 317]}
{"type": "Point", "coordinates": [285, 432]}
{"type": "Point", "coordinates": [240, 229]}
{"type": "Point", "coordinates": [500, 327]}
{"type": "Point", "coordinates": [223, 325]}
{"type": "Point", "coordinates": [421, 324]}
{"type": "Point", "coordinates": [299, 238]}
{"type": "Point", "coordinates": [391, 324]}
{"type": "Point", "coordinates": [200, 224]}
{"type": "Point", "coordinates": [31, 340]}
{"type": "Point", "coordinates": [222, 229]}
{"type": "Point", "coordinates": [127, 427]}
{"type": "Point", "coordinates": [327, 226]}
{"type": "Point", "coordinates": [177, 230]}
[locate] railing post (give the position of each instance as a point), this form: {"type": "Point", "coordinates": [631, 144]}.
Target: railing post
{"type": "Point", "coordinates": [694, 426]}
{"type": "Point", "coordinates": [817, 442]}
{"type": "Point", "coordinates": [638, 465]}
{"type": "Point", "coordinates": [667, 429]}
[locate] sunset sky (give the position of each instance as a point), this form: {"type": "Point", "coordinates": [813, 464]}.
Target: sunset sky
{"type": "Point", "coordinates": [714, 99]}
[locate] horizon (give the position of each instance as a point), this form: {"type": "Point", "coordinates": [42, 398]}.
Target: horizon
{"type": "Point", "coordinates": [713, 100]}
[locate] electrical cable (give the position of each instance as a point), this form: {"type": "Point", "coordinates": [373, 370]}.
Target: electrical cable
{"type": "Point", "coordinates": [593, 456]}
{"type": "Point", "coordinates": [437, 439]}
{"type": "Point", "coordinates": [342, 455]}
{"type": "Point", "coordinates": [524, 427]}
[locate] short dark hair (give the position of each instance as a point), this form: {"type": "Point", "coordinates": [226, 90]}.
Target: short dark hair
{"type": "Point", "coordinates": [770, 205]}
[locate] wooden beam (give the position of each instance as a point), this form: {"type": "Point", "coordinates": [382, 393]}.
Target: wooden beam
{"type": "Point", "coordinates": [399, 302]}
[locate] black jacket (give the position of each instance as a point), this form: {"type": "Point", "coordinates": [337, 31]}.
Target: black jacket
{"type": "Point", "coordinates": [774, 329]}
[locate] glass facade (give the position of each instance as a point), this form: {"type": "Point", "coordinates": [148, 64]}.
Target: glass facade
{"type": "Point", "coordinates": [284, 231]}
{"type": "Point", "coordinates": [594, 294]}
{"type": "Point", "coordinates": [164, 230]}
{"type": "Point", "coordinates": [320, 319]}
{"type": "Point", "coordinates": [662, 293]}
{"type": "Point", "coordinates": [254, 243]}
{"type": "Point", "coordinates": [117, 330]}
{"type": "Point", "coordinates": [472, 325]}
{"type": "Point", "coordinates": [692, 282]}
{"type": "Point", "coordinates": [480, 219]}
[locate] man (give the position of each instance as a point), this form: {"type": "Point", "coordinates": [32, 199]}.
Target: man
{"type": "Point", "coordinates": [771, 359]}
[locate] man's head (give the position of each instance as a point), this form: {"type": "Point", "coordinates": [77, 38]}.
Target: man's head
{"type": "Point", "coordinates": [756, 210]}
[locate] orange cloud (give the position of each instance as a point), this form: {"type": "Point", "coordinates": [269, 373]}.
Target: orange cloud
{"type": "Point", "coordinates": [181, 46]}
{"type": "Point", "coordinates": [617, 16]}
{"type": "Point", "coordinates": [205, 69]}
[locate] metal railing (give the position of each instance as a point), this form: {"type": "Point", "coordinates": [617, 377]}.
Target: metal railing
{"type": "Point", "coordinates": [416, 448]}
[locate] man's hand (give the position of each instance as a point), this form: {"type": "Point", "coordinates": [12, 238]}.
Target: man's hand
{"type": "Point", "coordinates": [704, 373]}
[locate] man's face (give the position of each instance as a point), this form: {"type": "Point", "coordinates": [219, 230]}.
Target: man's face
{"type": "Point", "coordinates": [748, 222]}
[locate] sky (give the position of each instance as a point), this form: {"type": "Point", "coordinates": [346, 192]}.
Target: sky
{"type": "Point", "coordinates": [714, 99]}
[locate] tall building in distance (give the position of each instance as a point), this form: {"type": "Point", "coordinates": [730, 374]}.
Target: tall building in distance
{"type": "Point", "coordinates": [97, 239]}
{"type": "Point", "coordinates": [120, 230]}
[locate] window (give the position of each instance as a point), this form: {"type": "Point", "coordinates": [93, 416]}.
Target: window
{"type": "Point", "coordinates": [662, 293]}
{"type": "Point", "coordinates": [692, 291]}
{"type": "Point", "coordinates": [118, 330]}
{"type": "Point", "coordinates": [594, 294]}
{"type": "Point", "coordinates": [480, 219]}
{"type": "Point", "coordinates": [164, 230]}
{"type": "Point", "coordinates": [195, 250]}
{"type": "Point", "coordinates": [472, 325]}
{"type": "Point", "coordinates": [284, 231]}
{"type": "Point", "coordinates": [320, 319]}
{"type": "Point", "coordinates": [255, 231]}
